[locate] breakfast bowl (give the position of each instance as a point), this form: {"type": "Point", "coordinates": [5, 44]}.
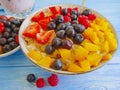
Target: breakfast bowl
{"type": "Point", "coordinates": [9, 28]}
{"type": "Point", "coordinates": [68, 39]}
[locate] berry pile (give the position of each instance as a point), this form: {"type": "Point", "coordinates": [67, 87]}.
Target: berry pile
{"type": "Point", "coordinates": [9, 28]}
{"type": "Point", "coordinates": [52, 80]}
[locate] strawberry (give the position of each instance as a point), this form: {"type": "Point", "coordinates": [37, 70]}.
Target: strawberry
{"type": "Point", "coordinates": [67, 18]}
{"type": "Point", "coordinates": [44, 22]}
{"type": "Point", "coordinates": [56, 10]}
{"type": "Point", "coordinates": [45, 36]}
{"type": "Point", "coordinates": [38, 16]}
{"type": "Point", "coordinates": [32, 30]}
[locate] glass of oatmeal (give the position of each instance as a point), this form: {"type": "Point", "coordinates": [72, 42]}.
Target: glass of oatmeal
{"type": "Point", "coordinates": [17, 7]}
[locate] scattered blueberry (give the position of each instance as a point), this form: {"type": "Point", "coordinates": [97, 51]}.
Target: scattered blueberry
{"type": "Point", "coordinates": [31, 78]}
{"type": "Point", "coordinates": [57, 64]}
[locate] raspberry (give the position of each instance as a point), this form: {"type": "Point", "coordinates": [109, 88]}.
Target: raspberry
{"type": "Point", "coordinates": [53, 80]}
{"type": "Point", "coordinates": [69, 10]}
{"type": "Point", "coordinates": [40, 83]}
{"type": "Point", "coordinates": [4, 17]}
{"type": "Point", "coordinates": [91, 16]}
{"type": "Point", "coordinates": [67, 18]}
{"type": "Point", "coordinates": [82, 18]}
{"type": "Point", "coordinates": [86, 23]}
{"type": "Point", "coordinates": [2, 29]}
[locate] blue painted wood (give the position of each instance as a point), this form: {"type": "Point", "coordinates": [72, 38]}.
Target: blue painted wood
{"type": "Point", "coordinates": [15, 68]}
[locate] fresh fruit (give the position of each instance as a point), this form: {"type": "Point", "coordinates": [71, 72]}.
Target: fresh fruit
{"type": "Point", "coordinates": [64, 11]}
{"type": "Point", "coordinates": [74, 68]}
{"type": "Point", "coordinates": [16, 39]}
{"type": "Point", "coordinates": [44, 22]}
{"type": "Point", "coordinates": [49, 49]}
{"type": "Point", "coordinates": [51, 25]}
{"type": "Point", "coordinates": [55, 10]}
{"type": "Point", "coordinates": [59, 19]}
{"type": "Point", "coordinates": [86, 12]}
{"type": "Point", "coordinates": [67, 44]}
{"type": "Point", "coordinates": [57, 42]}
{"type": "Point", "coordinates": [78, 39]}
{"type": "Point", "coordinates": [61, 26]}
{"type": "Point", "coordinates": [57, 64]}
{"type": "Point", "coordinates": [70, 33]}
{"type": "Point", "coordinates": [45, 36]}
{"type": "Point", "coordinates": [53, 80]}
{"type": "Point", "coordinates": [60, 34]}
{"type": "Point", "coordinates": [91, 16]}
{"type": "Point", "coordinates": [79, 28]}
{"type": "Point", "coordinates": [38, 16]}
{"type": "Point", "coordinates": [46, 62]}
{"type": "Point", "coordinates": [32, 30]}
{"type": "Point", "coordinates": [67, 18]}
{"type": "Point", "coordinates": [31, 78]}
{"type": "Point", "coordinates": [4, 17]}
{"type": "Point", "coordinates": [40, 83]}
{"type": "Point", "coordinates": [1, 27]}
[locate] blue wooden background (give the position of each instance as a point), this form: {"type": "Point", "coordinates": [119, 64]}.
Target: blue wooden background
{"type": "Point", "coordinates": [15, 68]}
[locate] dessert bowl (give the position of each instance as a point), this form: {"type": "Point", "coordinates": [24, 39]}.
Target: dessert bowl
{"type": "Point", "coordinates": [9, 34]}
{"type": "Point", "coordinates": [83, 56]}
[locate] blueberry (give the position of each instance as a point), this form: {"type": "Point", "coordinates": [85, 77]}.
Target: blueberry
{"type": "Point", "coordinates": [67, 24]}
{"type": "Point", "coordinates": [6, 34]}
{"type": "Point", "coordinates": [70, 33]}
{"type": "Point", "coordinates": [7, 24]}
{"type": "Point", "coordinates": [10, 39]}
{"type": "Point", "coordinates": [6, 48]}
{"type": "Point", "coordinates": [31, 78]}
{"type": "Point", "coordinates": [57, 42]}
{"type": "Point", "coordinates": [57, 64]}
{"type": "Point", "coordinates": [60, 34]}
{"type": "Point", "coordinates": [68, 27]}
{"type": "Point", "coordinates": [51, 25]}
{"type": "Point", "coordinates": [64, 11]}
{"type": "Point", "coordinates": [1, 35]}
{"type": "Point", "coordinates": [61, 26]}
{"type": "Point", "coordinates": [73, 17]}
{"type": "Point", "coordinates": [13, 34]}
{"type": "Point", "coordinates": [17, 22]}
{"type": "Point", "coordinates": [59, 19]}
{"type": "Point", "coordinates": [16, 30]}
{"type": "Point", "coordinates": [74, 22]}
{"type": "Point", "coordinates": [78, 39]}
{"type": "Point", "coordinates": [3, 41]}
{"type": "Point", "coordinates": [67, 44]}
{"type": "Point", "coordinates": [13, 26]}
{"type": "Point", "coordinates": [86, 12]}
{"type": "Point", "coordinates": [74, 12]}
{"type": "Point", "coordinates": [79, 28]}
{"type": "Point", "coordinates": [49, 49]}
{"type": "Point", "coordinates": [79, 13]}
{"type": "Point", "coordinates": [13, 44]}
{"type": "Point", "coordinates": [7, 29]}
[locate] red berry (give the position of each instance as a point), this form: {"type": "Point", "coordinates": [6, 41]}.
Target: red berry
{"type": "Point", "coordinates": [67, 18]}
{"type": "Point", "coordinates": [16, 40]}
{"type": "Point", "coordinates": [82, 18]}
{"type": "Point", "coordinates": [69, 10]}
{"type": "Point", "coordinates": [1, 24]}
{"type": "Point", "coordinates": [4, 17]}
{"type": "Point", "coordinates": [1, 29]}
{"type": "Point", "coordinates": [86, 23]}
{"type": "Point", "coordinates": [40, 83]}
{"type": "Point", "coordinates": [91, 16]}
{"type": "Point", "coordinates": [53, 80]}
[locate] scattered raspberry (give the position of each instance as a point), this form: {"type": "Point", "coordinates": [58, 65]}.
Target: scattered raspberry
{"type": "Point", "coordinates": [40, 83]}
{"type": "Point", "coordinates": [53, 80]}
{"type": "Point", "coordinates": [92, 17]}
{"type": "Point", "coordinates": [67, 18]}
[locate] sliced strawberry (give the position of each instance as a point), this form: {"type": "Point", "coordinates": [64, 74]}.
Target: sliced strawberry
{"type": "Point", "coordinates": [67, 18]}
{"type": "Point", "coordinates": [44, 22]}
{"type": "Point", "coordinates": [32, 30]}
{"type": "Point", "coordinates": [44, 37]}
{"type": "Point", "coordinates": [55, 10]}
{"type": "Point", "coordinates": [38, 16]}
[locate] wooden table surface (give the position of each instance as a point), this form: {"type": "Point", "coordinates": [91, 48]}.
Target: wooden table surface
{"type": "Point", "coordinates": [15, 68]}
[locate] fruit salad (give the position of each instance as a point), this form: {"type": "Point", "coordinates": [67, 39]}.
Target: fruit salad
{"type": "Point", "coordinates": [68, 39]}
{"type": "Point", "coordinates": [9, 28]}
